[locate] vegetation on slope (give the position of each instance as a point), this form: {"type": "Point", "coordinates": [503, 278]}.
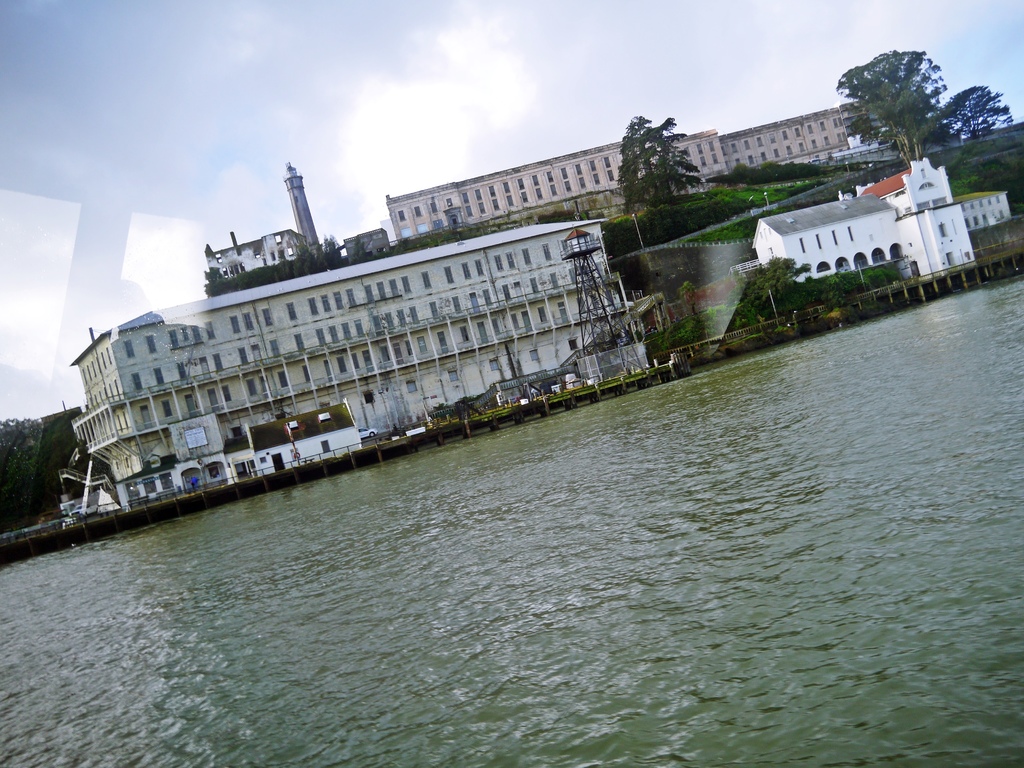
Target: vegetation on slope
{"type": "Point", "coordinates": [767, 292]}
{"type": "Point", "coordinates": [31, 455]}
{"type": "Point", "coordinates": [691, 213]}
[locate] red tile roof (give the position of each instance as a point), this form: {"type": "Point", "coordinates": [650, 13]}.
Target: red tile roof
{"type": "Point", "coordinates": [887, 186]}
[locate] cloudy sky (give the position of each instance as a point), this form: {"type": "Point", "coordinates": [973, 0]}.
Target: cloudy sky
{"type": "Point", "coordinates": [133, 134]}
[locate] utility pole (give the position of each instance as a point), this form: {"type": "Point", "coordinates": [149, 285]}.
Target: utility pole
{"type": "Point", "coordinates": [638, 232]}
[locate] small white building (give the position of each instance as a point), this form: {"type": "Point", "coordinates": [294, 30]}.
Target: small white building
{"type": "Point", "coordinates": [312, 436]}
{"type": "Point", "coordinates": [983, 209]}
{"type": "Point", "coordinates": [909, 219]}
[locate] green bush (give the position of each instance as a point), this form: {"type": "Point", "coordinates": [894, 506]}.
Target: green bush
{"type": "Point", "coordinates": [690, 330]}
{"type": "Point", "coordinates": [777, 283]}
{"type": "Point", "coordinates": [771, 172]}
{"type": "Point", "coordinates": [552, 217]}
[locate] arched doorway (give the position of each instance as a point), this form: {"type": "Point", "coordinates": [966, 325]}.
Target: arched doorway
{"type": "Point", "coordinates": [842, 264]}
{"type": "Point", "coordinates": [191, 479]}
{"type": "Point", "coordinates": [877, 256]}
{"type": "Point", "coordinates": [823, 266]}
{"type": "Point", "coordinates": [860, 261]}
{"type": "Point", "coordinates": [895, 252]}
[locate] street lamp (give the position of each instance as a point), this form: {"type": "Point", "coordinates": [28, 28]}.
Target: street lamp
{"type": "Point", "coordinates": [766, 203]}
{"type": "Point", "coordinates": [638, 232]}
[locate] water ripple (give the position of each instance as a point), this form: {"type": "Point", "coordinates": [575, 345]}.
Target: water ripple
{"type": "Point", "coordinates": [807, 556]}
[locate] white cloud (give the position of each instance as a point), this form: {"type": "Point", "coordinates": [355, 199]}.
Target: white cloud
{"type": "Point", "coordinates": [164, 257]}
{"type": "Point", "coordinates": [467, 83]}
{"type": "Point", "coordinates": [248, 204]}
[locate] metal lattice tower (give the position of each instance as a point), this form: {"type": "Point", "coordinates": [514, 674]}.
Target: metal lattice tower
{"type": "Point", "coordinates": [602, 326]}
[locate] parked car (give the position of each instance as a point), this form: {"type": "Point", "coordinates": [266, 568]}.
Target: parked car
{"type": "Point", "coordinates": [365, 433]}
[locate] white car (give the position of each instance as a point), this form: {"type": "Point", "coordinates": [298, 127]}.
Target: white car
{"type": "Point", "coordinates": [365, 433]}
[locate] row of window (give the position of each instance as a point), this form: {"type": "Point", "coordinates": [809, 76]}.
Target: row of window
{"type": "Point", "coordinates": [826, 139]}
{"type": "Point", "coordinates": [386, 290]}
{"type": "Point", "coordinates": [835, 239]}
{"type": "Point", "coordinates": [257, 385]}
{"type": "Point", "coordinates": [246, 322]}
{"type": "Point", "coordinates": [386, 321]}
{"type": "Point", "coordinates": [253, 352]}
{"type": "Point", "coordinates": [981, 203]}
{"type": "Point", "coordinates": [92, 371]}
{"type": "Point", "coordinates": [510, 196]}
{"type": "Point", "coordinates": [789, 151]}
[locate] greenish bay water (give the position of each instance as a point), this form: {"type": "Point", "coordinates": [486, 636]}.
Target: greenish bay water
{"type": "Point", "coordinates": [808, 556]}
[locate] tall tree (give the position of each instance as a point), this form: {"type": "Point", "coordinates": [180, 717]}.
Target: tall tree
{"type": "Point", "coordinates": [897, 95]}
{"type": "Point", "coordinates": [653, 170]}
{"type": "Point", "coordinates": [975, 111]}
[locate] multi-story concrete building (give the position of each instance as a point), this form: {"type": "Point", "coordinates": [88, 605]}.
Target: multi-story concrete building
{"type": "Point", "coordinates": [556, 182]}
{"type": "Point", "coordinates": [982, 209]}
{"type": "Point", "coordinates": [175, 394]}
{"type": "Point", "coordinates": [592, 175]}
{"type": "Point", "coordinates": [704, 150]}
{"type": "Point", "coordinates": [801, 139]}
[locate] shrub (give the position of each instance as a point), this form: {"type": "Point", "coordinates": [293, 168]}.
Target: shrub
{"type": "Point", "coordinates": [771, 172]}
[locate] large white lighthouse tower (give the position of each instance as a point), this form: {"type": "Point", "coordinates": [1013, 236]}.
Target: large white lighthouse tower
{"type": "Point", "coordinates": [303, 218]}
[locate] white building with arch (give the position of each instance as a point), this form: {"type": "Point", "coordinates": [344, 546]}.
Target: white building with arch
{"type": "Point", "coordinates": [909, 220]}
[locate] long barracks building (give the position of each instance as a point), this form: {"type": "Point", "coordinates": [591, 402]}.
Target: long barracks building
{"type": "Point", "coordinates": [590, 177]}
{"type": "Point", "coordinates": [176, 394]}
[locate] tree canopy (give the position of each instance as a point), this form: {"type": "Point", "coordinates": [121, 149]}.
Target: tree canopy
{"type": "Point", "coordinates": [897, 95]}
{"type": "Point", "coordinates": [975, 111]}
{"type": "Point", "coordinates": [653, 170]}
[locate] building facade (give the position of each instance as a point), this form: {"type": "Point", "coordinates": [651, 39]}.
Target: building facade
{"type": "Point", "coordinates": [983, 209]}
{"type": "Point", "coordinates": [507, 194]}
{"type": "Point", "coordinates": [176, 393]}
{"type": "Point", "coordinates": [704, 150]}
{"type": "Point", "coordinates": [806, 138]}
{"type": "Point", "coordinates": [245, 257]}
{"type": "Point", "coordinates": [909, 219]}
{"type": "Point", "coordinates": [522, 192]}
{"type": "Point", "coordinates": [834, 237]}
{"type": "Point", "coordinates": [367, 244]}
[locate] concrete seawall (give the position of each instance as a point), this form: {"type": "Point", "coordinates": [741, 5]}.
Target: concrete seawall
{"type": "Point", "coordinates": [665, 268]}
